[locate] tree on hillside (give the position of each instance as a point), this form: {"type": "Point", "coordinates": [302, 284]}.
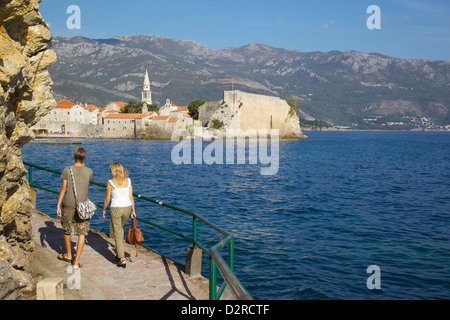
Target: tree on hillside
{"type": "Point", "coordinates": [314, 124]}
{"type": "Point", "coordinates": [134, 107]}
{"type": "Point", "coordinates": [193, 108]}
{"type": "Point", "coordinates": [131, 107]}
{"type": "Point", "coordinates": [153, 107]}
{"type": "Point", "coordinates": [292, 102]}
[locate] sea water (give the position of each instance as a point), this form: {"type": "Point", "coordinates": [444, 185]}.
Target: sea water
{"type": "Point", "coordinates": [340, 203]}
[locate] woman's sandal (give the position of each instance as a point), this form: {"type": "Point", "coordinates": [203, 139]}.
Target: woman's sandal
{"type": "Point", "coordinates": [122, 263]}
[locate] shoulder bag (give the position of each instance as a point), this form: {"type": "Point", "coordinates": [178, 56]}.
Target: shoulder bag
{"type": "Point", "coordinates": [134, 235]}
{"type": "Point", "coordinates": [85, 209]}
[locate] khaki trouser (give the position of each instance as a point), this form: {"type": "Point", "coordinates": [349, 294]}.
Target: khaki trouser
{"type": "Point", "coordinates": [119, 217]}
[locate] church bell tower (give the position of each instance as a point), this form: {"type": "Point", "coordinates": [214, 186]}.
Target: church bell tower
{"type": "Point", "coordinates": [146, 92]}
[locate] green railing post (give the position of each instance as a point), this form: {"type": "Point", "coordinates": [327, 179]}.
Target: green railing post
{"type": "Point", "coordinates": [212, 279]}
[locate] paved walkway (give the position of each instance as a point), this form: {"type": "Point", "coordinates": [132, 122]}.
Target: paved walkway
{"type": "Point", "coordinates": [149, 276]}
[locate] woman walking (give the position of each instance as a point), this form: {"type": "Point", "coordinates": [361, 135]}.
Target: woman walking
{"type": "Point", "coordinates": [120, 192]}
{"type": "Point", "coordinates": [82, 176]}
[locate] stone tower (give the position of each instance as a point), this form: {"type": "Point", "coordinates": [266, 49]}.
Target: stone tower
{"type": "Point", "coordinates": [146, 92]}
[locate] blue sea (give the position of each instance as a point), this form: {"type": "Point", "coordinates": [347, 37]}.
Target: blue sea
{"type": "Point", "coordinates": [340, 202]}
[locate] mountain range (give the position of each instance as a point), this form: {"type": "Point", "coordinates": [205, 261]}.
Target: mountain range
{"type": "Point", "coordinates": [343, 88]}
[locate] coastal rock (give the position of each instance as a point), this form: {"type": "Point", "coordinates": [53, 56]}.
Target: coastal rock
{"type": "Point", "coordinates": [26, 96]}
{"type": "Point", "coordinates": [155, 132]}
{"type": "Point", "coordinates": [9, 287]}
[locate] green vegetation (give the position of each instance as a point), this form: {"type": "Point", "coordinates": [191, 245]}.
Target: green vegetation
{"type": "Point", "coordinates": [292, 102]}
{"type": "Point", "coordinates": [134, 107]}
{"type": "Point", "coordinates": [217, 124]}
{"type": "Point", "coordinates": [314, 124]}
{"type": "Point", "coordinates": [193, 108]}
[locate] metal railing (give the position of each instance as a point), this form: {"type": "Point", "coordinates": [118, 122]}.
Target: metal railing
{"type": "Point", "coordinates": [215, 259]}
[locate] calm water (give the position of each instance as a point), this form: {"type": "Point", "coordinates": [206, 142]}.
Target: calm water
{"type": "Point", "coordinates": [341, 201]}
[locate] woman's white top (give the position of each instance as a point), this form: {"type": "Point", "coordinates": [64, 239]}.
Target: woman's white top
{"type": "Point", "coordinates": [120, 197]}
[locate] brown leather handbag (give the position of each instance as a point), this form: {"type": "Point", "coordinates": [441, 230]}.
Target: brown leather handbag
{"type": "Point", "coordinates": [134, 235]}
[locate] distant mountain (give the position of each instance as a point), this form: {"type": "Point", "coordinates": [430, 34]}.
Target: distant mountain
{"type": "Point", "coordinates": [341, 87]}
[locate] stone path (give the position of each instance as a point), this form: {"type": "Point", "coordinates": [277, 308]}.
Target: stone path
{"type": "Point", "coordinates": [149, 276]}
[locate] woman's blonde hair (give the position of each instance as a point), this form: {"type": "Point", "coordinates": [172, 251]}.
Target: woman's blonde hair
{"type": "Point", "coordinates": [118, 172]}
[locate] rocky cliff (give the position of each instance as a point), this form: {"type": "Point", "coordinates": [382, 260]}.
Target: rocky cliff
{"type": "Point", "coordinates": [25, 97]}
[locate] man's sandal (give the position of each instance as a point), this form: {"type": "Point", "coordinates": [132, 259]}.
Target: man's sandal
{"type": "Point", "coordinates": [63, 258]}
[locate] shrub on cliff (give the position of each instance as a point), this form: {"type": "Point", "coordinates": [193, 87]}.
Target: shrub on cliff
{"type": "Point", "coordinates": [193, 108]}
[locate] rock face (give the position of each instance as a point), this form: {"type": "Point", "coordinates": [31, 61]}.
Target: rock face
{"type": "Point", "coordinates": [25, 97]}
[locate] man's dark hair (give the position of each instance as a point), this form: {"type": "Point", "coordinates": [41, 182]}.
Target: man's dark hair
{"type": "Point", "coordinates": [79, 155]}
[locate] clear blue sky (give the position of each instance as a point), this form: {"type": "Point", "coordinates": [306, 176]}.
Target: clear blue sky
{"type": "Point", "coordinates": [409, 28]}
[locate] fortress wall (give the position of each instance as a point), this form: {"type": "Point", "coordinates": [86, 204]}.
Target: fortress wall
{"type": "Point", "coordinates": [262, 112]}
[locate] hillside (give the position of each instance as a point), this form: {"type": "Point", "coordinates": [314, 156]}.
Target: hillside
{"type": "Point", "coordinates": [342, 87]}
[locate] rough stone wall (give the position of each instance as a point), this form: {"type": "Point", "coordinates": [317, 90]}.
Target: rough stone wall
{"type": "Point", "coordinates": [206, 111]}
{"type": "Point", "coordinates": [25, 97]}
{"type": "Point", "coordinates": [78, 129]}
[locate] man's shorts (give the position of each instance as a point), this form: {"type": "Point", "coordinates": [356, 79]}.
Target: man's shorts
{"type": "Point", "coordinates": [81, 226]}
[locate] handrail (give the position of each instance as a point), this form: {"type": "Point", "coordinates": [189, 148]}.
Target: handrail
{"type": "Point", "coordinates": [215, 259]}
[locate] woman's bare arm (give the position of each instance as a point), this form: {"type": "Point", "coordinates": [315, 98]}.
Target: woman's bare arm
{"type": "Point", "coordinates": [133, 212]}
{"type": "Point", "coordinates": [107, 198]}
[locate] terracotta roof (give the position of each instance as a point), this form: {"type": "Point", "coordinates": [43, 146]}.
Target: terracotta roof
{"type": "Point", "coordinates": [183, 108]}
{"type": "Point", "coordinates": [90, 107]}
{"type": "Point", "coordinates": [186, 115]}
{"type": "Point", "coordinates": [147, 114]}
{"type": "Point", "coordinates": [119, 103]}
{"type": "Point", "coordinates": [160, 118]}
{"type": "Point", "coordinates": [129, 115]}
{"type": "Point", "coordinates": [64, 104]}
{"type": "Point", "coordinates": [173, 120]}
{"type": "Point", "coordinates": [122, 116]}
